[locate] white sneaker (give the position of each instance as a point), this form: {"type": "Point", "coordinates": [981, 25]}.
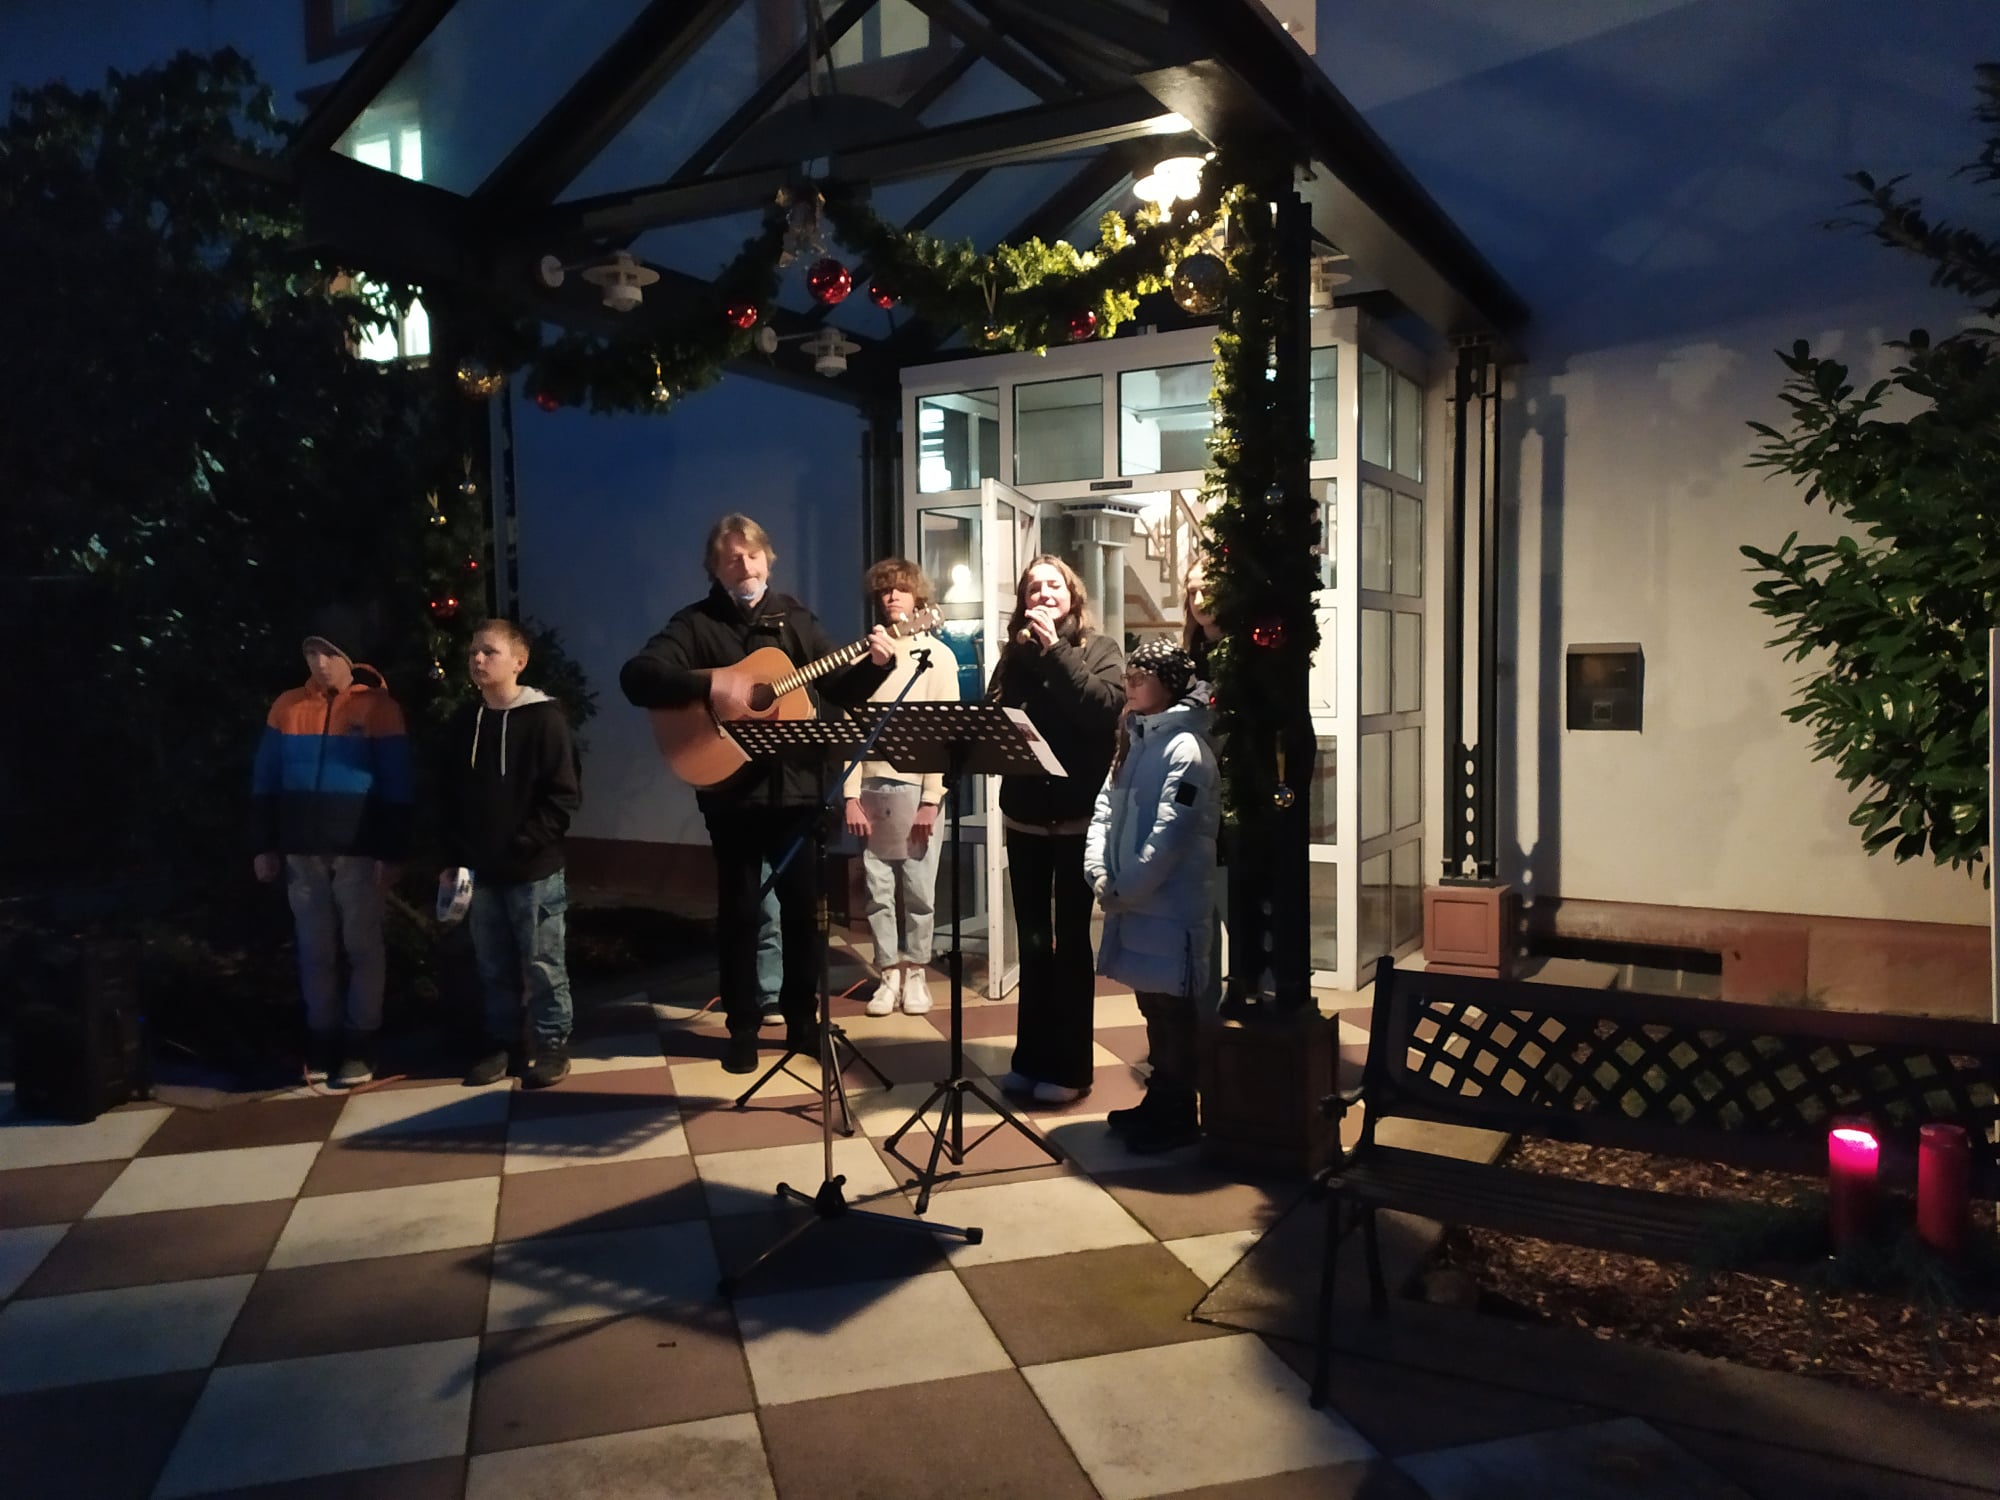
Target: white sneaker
{"type": "Point", "coordinates": [1057, 1093]}
{"type": "Point", "coordinates": [916, 995]}
{"type": "Point", "coordinates": [887, 993]}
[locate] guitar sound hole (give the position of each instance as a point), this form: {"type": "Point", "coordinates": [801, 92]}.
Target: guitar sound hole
{"type": "Point", "coordinates": [761, 698]}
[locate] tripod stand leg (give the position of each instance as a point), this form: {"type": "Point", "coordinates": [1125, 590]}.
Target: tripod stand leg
{"type": "Point", "coordinates": [840, 1036]}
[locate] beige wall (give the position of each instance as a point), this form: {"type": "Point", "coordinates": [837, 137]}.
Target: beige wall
{"type": "Point", "coordinates": [1633, 501]}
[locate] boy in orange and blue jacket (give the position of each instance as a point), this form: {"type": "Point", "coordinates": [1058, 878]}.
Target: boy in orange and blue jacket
{"type": "Point", "coordinates": [331, 799]}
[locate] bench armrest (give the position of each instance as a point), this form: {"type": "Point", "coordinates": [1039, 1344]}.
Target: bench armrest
{"type": "Point", "coordinates": [1335, 1106]}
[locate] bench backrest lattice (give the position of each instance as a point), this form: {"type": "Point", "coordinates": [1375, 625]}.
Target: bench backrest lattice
{"type": "Point", "coordinates": [1750, 1085]}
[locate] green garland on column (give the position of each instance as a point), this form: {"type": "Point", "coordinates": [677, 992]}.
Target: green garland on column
{"type": "Point", "coordinates": [1262, 543]}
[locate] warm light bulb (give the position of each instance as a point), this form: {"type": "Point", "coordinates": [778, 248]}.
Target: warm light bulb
{"type": "Point", "coordinates": [1171, 181]}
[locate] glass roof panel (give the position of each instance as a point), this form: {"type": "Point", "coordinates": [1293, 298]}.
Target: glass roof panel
{"type": "Point", "coordinates": [1003, 198]}
{"type": "Point", "coordinates": [472, 100]}
{"type": "Point", "coordinates": [878, 64]}
{"type": "Point", "coordinates": [687, 110]}
{"type": "Point", "coordinates": [701, 248]}
{"type": "Point", "coordinates": [984, 90]}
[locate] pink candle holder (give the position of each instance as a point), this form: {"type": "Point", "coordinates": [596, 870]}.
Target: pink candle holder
{"type": "Point", "coordinates": [1853, 1156]}
{"type": "Point", "coordinates": [1944, 1188]}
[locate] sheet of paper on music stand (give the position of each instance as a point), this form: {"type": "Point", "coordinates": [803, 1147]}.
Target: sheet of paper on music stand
{"type": "Point", "coordinates": [891, 811]}
{"type": "Point", "coordinates": [1031, 738]}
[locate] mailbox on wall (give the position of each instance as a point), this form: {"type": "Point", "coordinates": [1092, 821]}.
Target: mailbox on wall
{"type": "Point", "coordinates": [1606, 686]}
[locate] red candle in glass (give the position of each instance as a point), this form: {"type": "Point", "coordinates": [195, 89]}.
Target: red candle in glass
{"type": "Point", "coordinates": [1944, 1180]}
{"type": "Point", "coordinates": [1852, 1155]}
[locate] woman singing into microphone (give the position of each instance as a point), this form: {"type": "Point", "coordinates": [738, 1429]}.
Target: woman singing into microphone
{"type": "Point", "coordinates": [1070, 680]}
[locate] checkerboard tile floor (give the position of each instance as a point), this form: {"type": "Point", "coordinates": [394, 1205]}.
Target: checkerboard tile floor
{"type": "Point", "coordinates": [422, 1290]}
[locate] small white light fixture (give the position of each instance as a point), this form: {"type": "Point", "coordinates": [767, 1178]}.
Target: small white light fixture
{"type": "Point", "coordinates": [1171, 181]}
{"type": "Point", "coordinates": [624, 281]}
{"type": "Point", "coordinates": [829, 352]}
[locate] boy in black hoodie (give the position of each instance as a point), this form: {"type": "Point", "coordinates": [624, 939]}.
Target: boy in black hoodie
{"type": "Point", "coordinates": [509, 787]}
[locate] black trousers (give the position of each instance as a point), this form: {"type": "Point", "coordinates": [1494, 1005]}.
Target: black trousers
{"type": "Point", "coordinates": [1052, 901]}
{"type": "Point", "coordinates": [743, 840]}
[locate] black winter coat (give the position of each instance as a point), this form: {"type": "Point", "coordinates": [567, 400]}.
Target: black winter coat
{"type": "Point", "coordinates": [715, 632]}
{"type": "Point", "coordinates": [1073, 692]}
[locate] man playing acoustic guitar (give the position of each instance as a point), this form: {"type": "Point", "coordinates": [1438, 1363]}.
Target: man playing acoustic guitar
{"type": "Point", "coordinates": [758, 812]}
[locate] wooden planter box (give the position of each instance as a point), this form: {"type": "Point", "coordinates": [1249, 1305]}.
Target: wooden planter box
{"type": "Point", "coordinates": [1469, 929]}
{"type": "Point", "coordinates": [1262, 1080]}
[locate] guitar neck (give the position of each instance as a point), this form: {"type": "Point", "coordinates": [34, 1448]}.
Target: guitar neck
{"type": "Point", "coordinates": [925, 619]}
{"type": "Point", "coordinates": [813, 671]}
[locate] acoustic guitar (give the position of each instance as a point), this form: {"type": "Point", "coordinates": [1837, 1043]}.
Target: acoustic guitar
{"type": "Point", "coordinates": [699, 750]}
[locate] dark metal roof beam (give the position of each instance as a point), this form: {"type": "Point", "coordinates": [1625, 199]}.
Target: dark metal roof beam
{"type": "Point", "coordinates": [604, 100]}
{"type": "Point", "coordinates": [1022, 135]}
{"type": "Point", "coordinates": [1112, 35]}
{"type": "Point", "coordinates": [380, 61]}
{"type": "Point", "coordinates": [1085, 69]}
{"type": "Point", "coordinates": [1033, 74]}
{"type": "Point", "coordinates": [770, 91]}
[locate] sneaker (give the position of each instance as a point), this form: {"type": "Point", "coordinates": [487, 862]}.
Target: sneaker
{"type": "Point", "coordinates": [739, 1054]}
{"type": "Point", "coordinates": [551, 1065]}
{"type": "Point", "coordinates": [491, 1067]}
{"type": "Point", "coordinates": [1017, 1083]}
{"type": "Point", "coordinates": [1057, 1093]}
{"type": "Point", "coordinates": [770, 1011]}
{"type": "Point", "coordinates": [802, 1036]}
{"type": "Point", "coordinates": [916, 995]}
{"type": "Point", "coordinates": [887, 993]}
{"type": "Point", "coordinates": [352, 1073]}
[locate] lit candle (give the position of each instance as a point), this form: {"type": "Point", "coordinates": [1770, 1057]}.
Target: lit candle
{"type": "Point", "coordinates": [1944, 1176]}
{"type": "Point", "coordinates": [1852, 1154]}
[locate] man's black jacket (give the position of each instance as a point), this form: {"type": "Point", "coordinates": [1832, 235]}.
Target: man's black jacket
{"type": "Point", "coordinates": [717, 632]}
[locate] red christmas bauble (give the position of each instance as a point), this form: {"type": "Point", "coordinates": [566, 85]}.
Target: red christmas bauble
{"type": "Point", "coordinates": [741, 315]}
{"type": "Point", "coordinates": [881, 296]}
{"type": "Point", "coordinates": [1082, 325]}
{"type": "Point", "coordinates": [546, 400]}
{"type": "Point", "coordinates": [444, 607]}
{"type": "Point", "coordinates": [1268, 633]}
{"type": "Point", "coordinates": [829, 281]}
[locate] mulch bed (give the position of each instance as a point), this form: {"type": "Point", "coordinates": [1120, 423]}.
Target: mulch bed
{"type": "Point", "coordinates": [1945, 1355]}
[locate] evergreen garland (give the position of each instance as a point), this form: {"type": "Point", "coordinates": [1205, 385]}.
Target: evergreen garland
{"type": "Point", "coordinates": [1262, 543]}
{"type": "Point", "coordinates": [1016, 297]}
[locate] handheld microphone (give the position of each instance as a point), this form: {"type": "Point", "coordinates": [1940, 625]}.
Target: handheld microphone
{"type": "Point", "coordinates": [1023, 636]}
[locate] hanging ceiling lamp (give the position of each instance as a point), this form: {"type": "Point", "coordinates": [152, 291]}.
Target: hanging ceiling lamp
{"type": "Point", "coordinates": [1173, 180]}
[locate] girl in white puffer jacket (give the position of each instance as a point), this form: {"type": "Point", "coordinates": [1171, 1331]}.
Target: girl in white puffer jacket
{"type": "Point", "coordinates": [1150, 857]}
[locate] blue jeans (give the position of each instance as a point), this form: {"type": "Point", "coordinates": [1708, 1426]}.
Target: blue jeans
{"type": "Point", "coordinates": [518, 938]}
{"type": "Point", "coordinates": [770, 945]}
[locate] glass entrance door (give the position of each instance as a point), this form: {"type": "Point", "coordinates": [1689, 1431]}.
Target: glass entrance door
{"type": "Point", "coordinates": [972, 545]}
{"type": "Point", "coordinates": [1013, 524]}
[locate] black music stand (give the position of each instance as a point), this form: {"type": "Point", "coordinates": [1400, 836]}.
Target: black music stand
{"type": "Point", "coordinates": [987, 740]}
{"type": "Point", "coordinates": [817, 740]}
